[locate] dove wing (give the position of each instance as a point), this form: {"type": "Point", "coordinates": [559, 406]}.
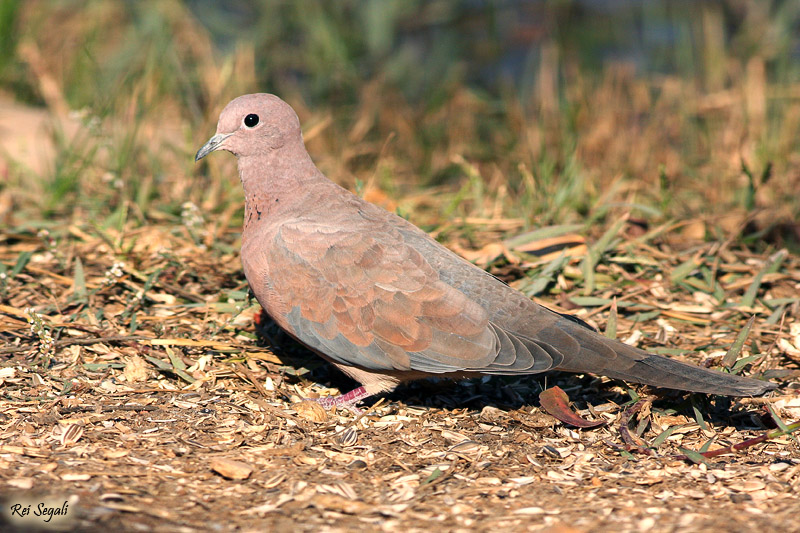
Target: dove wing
{"type": "Point", "coordinates": [358, 292]}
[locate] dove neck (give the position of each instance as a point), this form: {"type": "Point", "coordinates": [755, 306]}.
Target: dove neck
{"type": "Point", "coordinates": [272, 181]}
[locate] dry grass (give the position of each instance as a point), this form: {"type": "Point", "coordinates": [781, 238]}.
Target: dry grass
{"type": "Point", "coordinates": [133, 384]}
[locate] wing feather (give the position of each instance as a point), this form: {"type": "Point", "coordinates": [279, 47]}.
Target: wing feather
{"type": "Point", "coordinates": [362, 296]}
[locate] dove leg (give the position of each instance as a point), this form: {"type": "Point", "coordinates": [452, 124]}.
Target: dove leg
{"type": "Point", "coordinates": [347, 400]}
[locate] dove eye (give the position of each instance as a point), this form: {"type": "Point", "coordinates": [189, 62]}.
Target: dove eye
{"type": "Point", "coordinates": [251, 120]}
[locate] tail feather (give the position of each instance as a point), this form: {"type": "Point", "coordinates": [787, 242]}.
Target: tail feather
{"type": "Point", "coordinates": [635, 365]}
{"type": "Point", "coordinates": [668, 373]}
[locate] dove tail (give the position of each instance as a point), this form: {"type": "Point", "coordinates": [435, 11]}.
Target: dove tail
{"type": "Point", "coordinates": [614, 359]}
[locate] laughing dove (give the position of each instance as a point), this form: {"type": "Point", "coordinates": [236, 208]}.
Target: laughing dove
{"type": "Point", "coordinates": [384, 302]}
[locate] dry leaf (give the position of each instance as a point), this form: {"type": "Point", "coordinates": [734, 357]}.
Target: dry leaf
{"type": "Point", "coordinates": [556, 402]}
{"type": "Point", "coordinates": [136, 370]}
{"type": "Point", "coordinates": [230, 469]}
{"type": "Point", "coordinates": [310, 410]}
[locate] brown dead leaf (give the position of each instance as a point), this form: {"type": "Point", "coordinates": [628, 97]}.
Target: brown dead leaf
{"type": "Point", "coordinates": [136, 370]}
{"type": "Point", "coordinates": [556, 402]}
{"type": "Point", "coordinates": [230, 469]}
{"type": "Point", "coordinates": [311, 411]}
{"type": "Point", "coordinates": [485, 255]}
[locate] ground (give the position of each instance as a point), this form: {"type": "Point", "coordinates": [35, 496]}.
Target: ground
{"type": "Point", "coordinates": [191, 422]}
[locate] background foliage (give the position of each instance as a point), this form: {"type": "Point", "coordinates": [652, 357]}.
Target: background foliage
{"type": "Point", "coordinates": [544, 111]}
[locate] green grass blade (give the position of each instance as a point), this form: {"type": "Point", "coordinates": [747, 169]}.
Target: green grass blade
{"type": "Point", "coordinates": [695, 457]}
{"type": "Point", "coordinates": [596, 252]}
{"type": "Point", "coordinates": [22, 260]}
{"type": "Point", "coordinates": [683, 270]}
{"type": "Point", "coordinates": [79, 281]}
{"type": "Point", "coordinates": [611, 325]}
{"type": "Point", "coordinates": [736, 348]}
{"type": "Point", "coordinates": [772, 265]}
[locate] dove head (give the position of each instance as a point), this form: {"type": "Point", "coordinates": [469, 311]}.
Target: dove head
{"type": "Point", "coordinates": [254, 124]}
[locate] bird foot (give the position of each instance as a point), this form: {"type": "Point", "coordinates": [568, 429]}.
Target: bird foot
{"type": "Point", "coordinates": [347, 400]}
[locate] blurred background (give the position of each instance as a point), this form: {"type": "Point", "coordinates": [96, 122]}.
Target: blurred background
{"type": "Point", "coordinates": [506, 115]}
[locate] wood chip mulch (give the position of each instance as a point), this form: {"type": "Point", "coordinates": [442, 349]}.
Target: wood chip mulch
{"type": "Point", "coordinates": [135, 395]}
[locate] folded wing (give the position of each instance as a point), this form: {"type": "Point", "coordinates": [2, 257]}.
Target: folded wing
{"type": "Point", "coordinates": [365, 297]}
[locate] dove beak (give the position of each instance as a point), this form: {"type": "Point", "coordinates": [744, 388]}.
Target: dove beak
{"type": "Point", "coordinates": [214, 143]}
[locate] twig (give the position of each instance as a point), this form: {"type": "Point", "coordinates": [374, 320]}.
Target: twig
{"type": "Point", "coordinates": [107, 408]}
{"type": "Point", "coordinates": [245, 374]}
{"type": "Point", "coordinates": [633, 443]}
{"type": "Point", "coordinates": [769, 435]}
{"type": "Point", "coordinates": [79, 341]}
{"type": "Point", "coordinates": [181, 292]}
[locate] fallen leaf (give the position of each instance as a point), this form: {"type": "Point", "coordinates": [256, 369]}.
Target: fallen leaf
{"type": "Point", "coordinates": [310, 411]}
{"type": "Point", "coordinates": [230, 469]}
{"type": "Point", "coordinates": [556, 402]}
{"type": "Point", "coordinates": [136, 370]}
